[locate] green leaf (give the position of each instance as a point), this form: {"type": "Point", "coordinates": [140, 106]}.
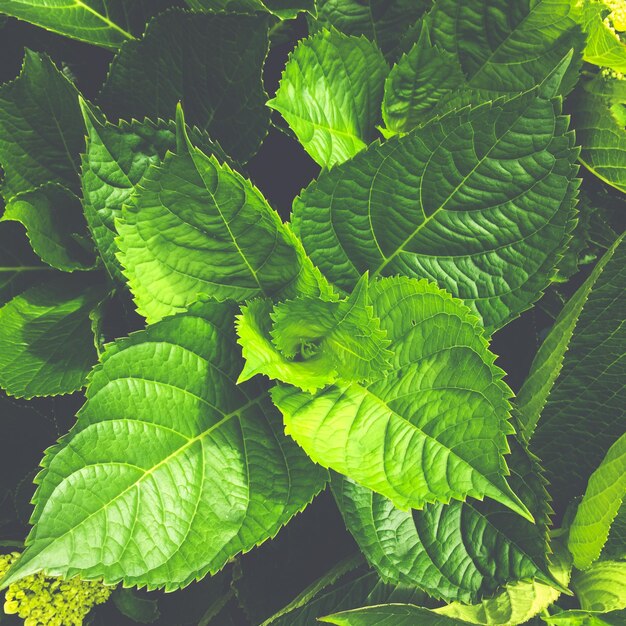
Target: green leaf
{"type": "Point", "coordinates": [583, 618]}
{"type": "Point", "coordinates": [195, 226]}
{"type": "Point", "coordinates": [54, 222]}
{"type": "Point", "coordinates": [602, 587]}
{"type": "Point", "coordinates": [41, 135]}
{"type": "Point", "coordinates": [615, 546]}
{"type": "Point", "coordinates": [417, 83]}
{"type": "Point", "coordinates": [115, 160]}
{"type": "Point", "coordinates": [212, 62]}
{"type": "Point", "coordinates": [583, 414]}
{"type": "Point", "coordinates": [106, 23]}
{"type": "Point", "coordinates": [284, 9]}
{"type": "Point", "coordinates": [46, 341]}
{"type": "Point", "coordinates": [603, 498]}
{"type": "Point", "coordinates": [507, 46]}
{"type": "Point", "coordinates": [330, 95]}
{"type": "Point", "coordinates": [382, 21]}
{"type": "Point", "coordinates": [198, 462]}
{"type": "Point", "coordinates": [391, 615]}
{"type": "Point", "coordinates": [480, 201]}
{"type": "Point", "coordinates": [436, 549]}
{"type": "Point", "coordinates": [433, 427]}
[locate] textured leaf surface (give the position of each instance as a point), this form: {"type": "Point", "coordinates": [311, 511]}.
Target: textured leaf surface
{"type": "Point", "coordinates": [434, 426]}
{"type": "Point", "coordinates": [585, 409]}
{"type": "Point", "coordinates": [601, 588]}
{"type": "Point", "coordinates": [603, 498]}
{"type": "Point", "coordinates": [584, 618]}
{"type": "Point", "coordinates": [457, 551]}
{"type": "Point", "coordinates": [41, 135]}
{"type": "Point", "coordinates": [285, 9]}
{"type": "Point", "coordinates": [212, 62]}
{"type": "Point", "coordinates": [199, 463]}
{"type": "Point", "coordinates": [417, 83]}
{"type": "Point", "coordinates": [54, 222]}
{"type": "Point", "coordinates": [196, 226]}
{"type": "Point", "coordinates": [381, 21]}
{"type": "Point", "coordinates": [482, 188]}
{"type": "Point", "coordinates": [330, 94]}
{"type": "Point", "coordinates": [115, 160]}
{"type": "Point", "coordinates": [106, 23]}
{"type": "Point", "coordinates": [391, 615]}
{"type": "Point", "coordinates": [46, 341]}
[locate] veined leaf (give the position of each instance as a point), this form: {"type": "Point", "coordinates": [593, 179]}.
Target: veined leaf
{"type": "Point", "coordinates": [106, 23]}
{"type": "Point", "coordinates": [198, 462]}
{"type": "Point", "coordinates": [603, 498]}
{"type": "Point", "coordinates": [212, 62]}
{"type": "Point", "coordinates": [54, 222]}
{"type": "Point", "coordinates": [583, 411]}
{"type": "Point", "coordinates": [602, 587]}
{"type": "Point", "coordinates": [615, 546]}
{"type": "Point", "coordinates": [46, 341]}
{"type": "Point", "coordinates": [381, 21]}
{"type": "Point", "coordinates": [584, 618]}
{"type": "Point", "coordinates": [480, 188]}
{"type": "Point", "coordinates": [284, 9]}
{"type": "Point", "coordinates": [330, 94]}
{"type": "Point", "coordinates": [41, 135]}
{"type": "Point", "coordinates": [115, 160]}
{"type": "Point", "coordinates": [391, 615]}
{"type": "Point", "coordinates": [433, 427]}
{"type": "Point", "coordinates": [507, 46]}
{"type": "Point", "coordinates": [437, 548]}
{"type": "Point", "coordinates": [195, 226]}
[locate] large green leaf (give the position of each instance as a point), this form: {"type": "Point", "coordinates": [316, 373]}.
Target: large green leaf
{"type": "Point", "coordinates": [433, 427]}
{"type": "Point", "coordinates": [198, 464]}
{"type": "Point", "coordinates": [382, 21]}
{"type": "Point", "coordinates": [330, 94]}
{"type": "Point", "coordinates": [41, 135]}
{"type": "Point", "coordinates": [391, 615]}
{"type": "Point", "coordinates": [603, 498]}
{"type": "Point", "coordinates": [212, 62]}
{"type": "Point", "coordinates": [583, 413]}
{"type": "Point", "coordinates": [507, 46]}
{"type": "Point", "coordinates": [285, 9]}
{"type": "Point", "coordinates": [480, 200]}
{"type": "Point", "coordinates": [576, 617]}
{"type": "Point", "coordinates": [46, 340]}
{"type": "Point", "coordinates": [436, 549]}
{"type": "Point", "coordinates": [115, 160]}
{"type": "Point", "coordinates": [602, 587]}
{"type": "Point", "coordinates": [54, 222]}
{"type": "Point", "coordinates": [106, 23]}
{"type": "Point", "coordinates": [195, 226]}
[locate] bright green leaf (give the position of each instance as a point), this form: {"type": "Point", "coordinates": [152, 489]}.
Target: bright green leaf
{"type": "Point", "coordinates": [198, 462]}
{"type": "Point", "coordinates": [602, 587]}
{"type": "Point", "coordinates": [391, 615]}
{"type": "Point", "coordinates": [434, 426]}
{"type": "Point", "coordinates": [480, 201]}
{"type": "Point", "coordinates": [330, 94]}
{"type": "Point", "coordinates": [583, 618]}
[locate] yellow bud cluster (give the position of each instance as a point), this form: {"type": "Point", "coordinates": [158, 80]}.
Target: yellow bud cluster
{"type": "Point", "coordinates": [43, 601]}
{"type": "Point", "coordinates": [618, 13]}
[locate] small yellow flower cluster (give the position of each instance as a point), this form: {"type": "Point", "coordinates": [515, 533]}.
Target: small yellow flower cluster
{"type": "Point", "coordinates": [609, 74]}
{"type": "Point", "coordinates": [618, 13]}
{"type": "Point", "coordinates": [43, 601]}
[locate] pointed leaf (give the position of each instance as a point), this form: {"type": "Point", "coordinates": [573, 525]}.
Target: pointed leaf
{"type": "Point", "coordinates": [478, 189]}
{"type": "Point", "coordinates": [212, 62]}
{"type": "Point", "coordinates": [199, 463]}
{"type": "Point", "coordinates": [434, 426]}
{"type": "Point", "coordinates": [330, 94]}
{"type": "Point", "coordinates": [601, 588]}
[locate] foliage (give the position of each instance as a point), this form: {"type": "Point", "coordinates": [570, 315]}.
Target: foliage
{"type": "Point", "coordinates": [254, 379]}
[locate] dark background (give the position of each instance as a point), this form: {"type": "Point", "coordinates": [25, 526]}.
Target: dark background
{"type": "Point", "coordinates": [315, 540]}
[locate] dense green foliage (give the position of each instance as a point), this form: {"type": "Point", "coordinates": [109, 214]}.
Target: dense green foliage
{"type": "Point", "coordinates": [237, 364]}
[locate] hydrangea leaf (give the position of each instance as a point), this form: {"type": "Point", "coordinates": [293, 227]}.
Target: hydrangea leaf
{"type": "Point", "coordinates": [106, 23]}
{"type": "Point", "coordinates": [284, 9]}
{"type": "Point", "coordinates": [115, 159]}
{"type": "Point", "coordinates": [602, 587]}
{"type": "Point", "coordinates": [433, 427]}
{"type": "Point", "coordinates": [383, 22]}
{"type": "Point", "coordinates": [599, 506]}
{"type": "Point", "coordinates": [576, 617]}
{"type": "Point", "coordinates": [391, 615]}
{"type": "Point", "coordinates": [582, 411]}
{"type": "Point", "coordinates": [417, 83]}
{"type": "Point", "coordinates": [615, 546]}
{"type": "Point", "coordinates": [46, 340]}
{"type": "Point", "coordinates": [211, 62]}
{"type": "Point", "coordinates": [507, 47]}
{"type": "Point", "coordinates": [195, 226]}
{"type": "Point", "coordinates": [330, 95]}
{"type": "Point", "coordinates": [54, 222]}
{"type": "Point", "coordinates": [481, 188]}
{"type": "Point", "coordinates": [41, 135]}
{"type": "Point", "coordinates": [435, 548]}
{"type": "Point", "coordinates": [199, 462]}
